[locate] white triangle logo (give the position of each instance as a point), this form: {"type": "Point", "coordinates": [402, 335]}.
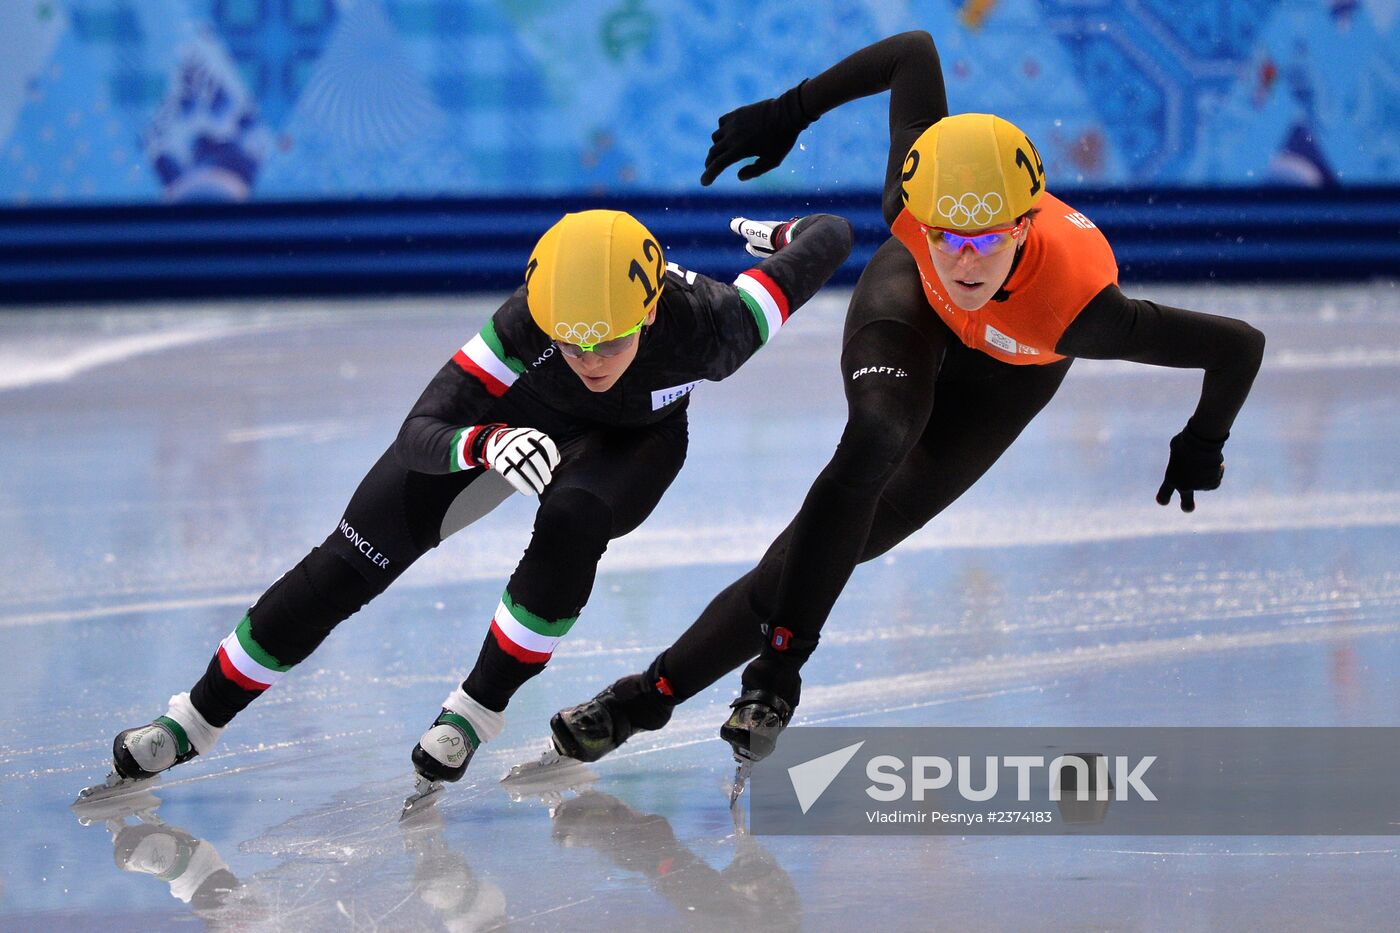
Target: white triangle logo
{"type": "Point", "coordinates": [811, 778]}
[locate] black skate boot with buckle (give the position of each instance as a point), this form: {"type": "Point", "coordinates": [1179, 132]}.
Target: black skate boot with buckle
{"type": "Point", "coordinates": [752, 729]}
{"type": "Point", "coordinates": [591, 730]}
{"type": "Point", "coordinates": [772, 688]}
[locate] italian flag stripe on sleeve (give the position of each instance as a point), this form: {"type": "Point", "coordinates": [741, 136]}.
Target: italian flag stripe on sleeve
{"type": "Point", "coordinates": [765, 300]}
{"type": "Point", "coordinates": [525, 636]}
{"type": "Point", "coordinates": [457, 454]}
{"type": "Point", "coordinates": [243, 661]}
{"type": "Point", "coordinates": [484, 358]}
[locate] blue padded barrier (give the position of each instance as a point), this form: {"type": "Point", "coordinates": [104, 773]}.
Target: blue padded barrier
{"type": "Point", "coordinates": [97, 253]}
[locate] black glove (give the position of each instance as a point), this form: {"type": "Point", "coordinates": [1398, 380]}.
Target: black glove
{"type": "Point", "coordinates": [767, 129]}
{"type": "Point", "coordinates": [1195, 463]}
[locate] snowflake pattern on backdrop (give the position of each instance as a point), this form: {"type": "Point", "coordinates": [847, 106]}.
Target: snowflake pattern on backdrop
{"type": "Point", "coordinates": [119, 100]}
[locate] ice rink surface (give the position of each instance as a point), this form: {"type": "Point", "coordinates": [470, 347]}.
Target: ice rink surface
{"type": "Point", "coordinates": [160, 466]}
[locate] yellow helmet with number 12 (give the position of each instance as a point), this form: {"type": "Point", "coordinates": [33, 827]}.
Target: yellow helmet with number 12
{"type": "Point", "coordinates": [593, 276]}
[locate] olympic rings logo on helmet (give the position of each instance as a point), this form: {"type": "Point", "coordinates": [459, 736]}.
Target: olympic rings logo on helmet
{"type": "Point", "coordinates": [581, 333]}
{"type": "Point", "coordinates": [970, 210]}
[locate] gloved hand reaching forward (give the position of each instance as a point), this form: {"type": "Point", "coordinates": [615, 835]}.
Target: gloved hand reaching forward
{"type": "Point", "coordinates": [1195, 464]}
{"type": "Point", "coordinates": [766, 129]}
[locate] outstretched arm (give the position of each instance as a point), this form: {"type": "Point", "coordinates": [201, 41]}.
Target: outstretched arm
{"type": "Point", "coordinates": [447, 429]}
{"type": "Point", "coordinates": [1114, 326]}
{"type": "Point", "coordinates": [906, 65]}
{"type": "Point", "coordinates": [801, 255]}
{"type": "Point", "coordinates": [808, 251]}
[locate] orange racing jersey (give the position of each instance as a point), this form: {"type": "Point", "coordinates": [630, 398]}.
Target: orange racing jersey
{"type": "Point", "coordinates": [1065, 262]}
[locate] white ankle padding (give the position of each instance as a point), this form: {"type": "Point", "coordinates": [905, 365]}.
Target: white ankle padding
{"type": "Point", "coordinates": [487, 722]}
{"type": "Point", "coordinates": [201, 735]}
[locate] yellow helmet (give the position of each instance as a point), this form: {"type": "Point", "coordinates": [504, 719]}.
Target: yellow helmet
{"type": "Point", "coordinates": [593, 276]}
{"type": "Point", "coordinates": [972, 171]}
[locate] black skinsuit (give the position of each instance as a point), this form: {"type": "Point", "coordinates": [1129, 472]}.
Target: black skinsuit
{"type": "Point", "coordinates": [913, 444]}
{"type": "Point", "coordinates": [620, 451]}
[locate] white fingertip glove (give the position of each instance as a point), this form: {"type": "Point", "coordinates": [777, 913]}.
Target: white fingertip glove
{"type": "Point", "coordinates": [524, 456]}
{"type": "Point", "coordinates": [763, 237]}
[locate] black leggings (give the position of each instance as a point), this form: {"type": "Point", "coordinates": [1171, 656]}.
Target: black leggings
{"type": "Point", "coordinates": [926, 418]}
{"type": "Point", "coordinates": [607, 484]}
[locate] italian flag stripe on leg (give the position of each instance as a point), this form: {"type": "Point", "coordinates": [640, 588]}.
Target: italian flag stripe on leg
{"type": "Point", "coordinates": [522, 654]}
{"type": "Point", "coordinates": [485, 359]}
{"type": "Point", "coordinates": [525, 636]}
{"type": "Point", "coordinates": [765, 299]}
{"type": "Point", "coordinates": [243, 661]}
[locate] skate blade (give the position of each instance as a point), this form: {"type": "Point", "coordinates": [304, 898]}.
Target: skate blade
{"type": "Point", "coordinates": [547, 778]}
{"type": "Point", "coordinates": [741, 778]}
{"type": "Point", "coordinates": [134, 799]}
{"type": "Point", "coordinates": [114, 786]}
{"type": "Point", "coordinates": [549, 760]}
{"type": "Point", "coordinates": [425, 793]}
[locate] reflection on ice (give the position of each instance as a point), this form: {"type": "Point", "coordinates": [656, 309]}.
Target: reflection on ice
{"type": "Point", "coordinates": [751, 892]}
{"type": "Point", "coordinates": [145, 844]}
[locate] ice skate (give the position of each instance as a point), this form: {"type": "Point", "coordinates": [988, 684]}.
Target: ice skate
{"type": "Point", "coordinates": [440, 757]}
{"type": "Point", "coordinates": [443, 753]}
{"type": "Point", "coordinates": [588, 731]}
{"type": "Point", "coordinates": [587, 735]}
{"type": "Point", "coordinates": [752, 732]}
{"type": "Point", "coordinates": [141, 754]}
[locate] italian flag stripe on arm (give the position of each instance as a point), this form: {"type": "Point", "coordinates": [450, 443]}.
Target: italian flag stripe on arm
{"type": "Point", "coordinates": [457, 453]}
{"type": "Point", "coordinates": [484, 358]}
{"type": "Point", "coordinates": [765, 300]}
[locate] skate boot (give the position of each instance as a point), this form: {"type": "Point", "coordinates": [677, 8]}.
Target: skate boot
{"type": "Point", "coordinates": [752, 729]}
{"type": "Point", "coordinates": [145, 751]}
{"type": "Point", "coordinates": [443, 753]}
{"type": "Point", "coordinates": [141, 753]}
{"type": "Point", "coordinates": [445, 750]}
{"type": "Point", "coordinates": [591, 730]}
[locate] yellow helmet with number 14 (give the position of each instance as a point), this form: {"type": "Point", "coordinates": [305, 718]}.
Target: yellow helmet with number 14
{"type": "Point", "coordinates": [972, 171]}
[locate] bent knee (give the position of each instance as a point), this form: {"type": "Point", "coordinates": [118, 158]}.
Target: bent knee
{"type": "Point", "coordinates": [871, 449]}
{"type": "Point", "coordinates": [573, 519]}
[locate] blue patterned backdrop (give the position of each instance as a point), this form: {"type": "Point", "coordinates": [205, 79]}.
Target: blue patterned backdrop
{"type": "Point", "coordinates": [143, 101]}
